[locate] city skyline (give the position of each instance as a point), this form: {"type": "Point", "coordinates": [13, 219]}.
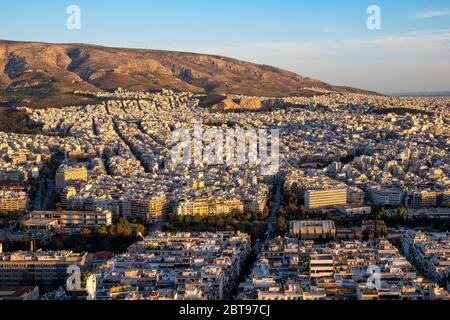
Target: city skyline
{"type": "Point", "coordinates": [144, 157]}
{"type": "Point", "coordinates": [326, 40]}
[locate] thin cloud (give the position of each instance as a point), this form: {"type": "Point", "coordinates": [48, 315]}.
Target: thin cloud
{"type": "Point", "coordinates": [411, 61]}
{"type": "Point", "coordinates": [432, 14]}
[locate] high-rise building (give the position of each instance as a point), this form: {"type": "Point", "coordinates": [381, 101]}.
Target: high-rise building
{"type": "Point", "coordinates": [317, 198]}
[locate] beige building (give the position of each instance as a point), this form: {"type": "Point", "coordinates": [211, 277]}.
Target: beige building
{"type": "Point", "coordinates": [66, 195]}
{"type": "Point", "coordinates": [41, 224]}
{"type": "Point", "coordinates": [13, 201]}
{"type": "Point", "coordinates": [65, 175]}
{"type": "Point", "coordinates": [209, 206]}
{"type": "Point", "coordinates": [310, 229]}
{"type": "Point", "coordinates": [154, 207]}
{"type": "Point", "coordinates": [321, 265]}
{"type": "Point", "coordinates": [256, 204]}
{"type": "Point", "coordinates": [158, 208]}
{"type": "Point", "coordinates": [323, 198]}
{"type": "Point", "coordinates": [423, 199]}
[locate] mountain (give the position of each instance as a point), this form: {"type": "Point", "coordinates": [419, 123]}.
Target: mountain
{"type": "Point", "coordinates": [42, 74]}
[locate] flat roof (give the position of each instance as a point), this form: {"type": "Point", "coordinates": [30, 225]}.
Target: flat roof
{"type": "Point", "coordinates": [39, 222]}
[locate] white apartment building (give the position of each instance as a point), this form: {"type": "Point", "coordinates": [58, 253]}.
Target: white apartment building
{"type": "Point", "coordinates": [321, 265]}
{"type": "Point", "coordinates": [75, 219]}
{"type": "Point", "coordinates": [387, 196]}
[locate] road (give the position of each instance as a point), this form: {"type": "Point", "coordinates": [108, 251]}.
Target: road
{"type": "Point", "coordinates": [38, 200]}
{"type": "Point", "coordinates": [41, 201]}
{"type": "Point", "coordinates": [50, 188]}
{"type": "Point", "coordinates": [272, 220]}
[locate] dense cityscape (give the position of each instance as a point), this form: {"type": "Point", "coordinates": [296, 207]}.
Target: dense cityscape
{"type": "Point", "coordinates": [93, 205]}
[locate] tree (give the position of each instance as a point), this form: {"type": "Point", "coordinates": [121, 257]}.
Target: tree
{"type": "Point", "coordinates": [281, 224]}
{"type": "Point", "coordinates": [197, 219]}
{"type": "Point", "coordinates": [402, 214]}
{"type": "Point", "coordinates": [188, 220]}
{"type": "Point", "coordinates": [102, 231]}
{"type": "Point", "coordinates": [85, 232]}
{"type": "Point", "coordinates": [123, 228]}
{"type": "Point", "coordinates": [220, 222]}
{"type": "Point", "coordinates": [292, 211]}
{"type": "Point", "coordinates": [140, 229]}
{"type": "Point", "coordinates": [366, 235]}
{"type": "Point", "coordinates": [265, 213]}
{"type": "Point", "coordinates": [127, 229]}
{"type": "Point", "coordinates": [254, 215]}
{"type": "Point", "coordinates": [303, 212]}
{"type": "Point", "coordinates": [229, 220]}
{"type": "Point", "coordinates": [180, 219]}
{"type": "Point", "coordinates": [380, 214]}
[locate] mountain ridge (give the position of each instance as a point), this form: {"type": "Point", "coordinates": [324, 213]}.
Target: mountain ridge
{"type": "Point", "coordinates": [39, 73]}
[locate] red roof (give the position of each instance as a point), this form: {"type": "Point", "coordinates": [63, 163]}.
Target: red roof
{"type": "Point", "coordinates": [104, 255]}
{"type": "Point", "coordinates": [15, 291]}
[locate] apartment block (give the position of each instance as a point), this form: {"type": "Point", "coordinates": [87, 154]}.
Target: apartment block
{"type": "Point", "coordinates": [176, 266]}
{"type": "Point", "coordinates": [321, 265]}
{"type": "Point", "coordinates": [154, 207]}
{"type": "Point", "coordinates": [48, 269]}
{"type": "Point", "coordinates": [66, 175]}
{"type": "Point", "coordinates": [430, 252]}
{"type": "Point", "coordinates": [387, 196]}
{"type": "Point", "coordinates": [293, 269]}
{"type": "Point", "coordinates": [311, 229]}
{"type": "Point", "coordinates": [324, 198]}
{"type": "Point", "coordinates": [422, 199]}
{"type": "Point", "coordinates": [75, 219]}
{"type": "Point", "coordinates": [210, 206]}
{"type": "Point", "coordinates": [13, 201]}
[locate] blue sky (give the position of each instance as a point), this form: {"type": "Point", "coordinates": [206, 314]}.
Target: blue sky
{"type": "Point", "coordinates": [323, 39]}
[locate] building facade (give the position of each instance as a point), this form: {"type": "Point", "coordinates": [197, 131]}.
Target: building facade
{"type": "Point", "coordinates": [324, 198]}
{"type": "Point", "coordinates": [75, 219]}
{"type": "Point", "coordinates": [13, 201]}
{"type": "Point", "coordinates": [48, 269]}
